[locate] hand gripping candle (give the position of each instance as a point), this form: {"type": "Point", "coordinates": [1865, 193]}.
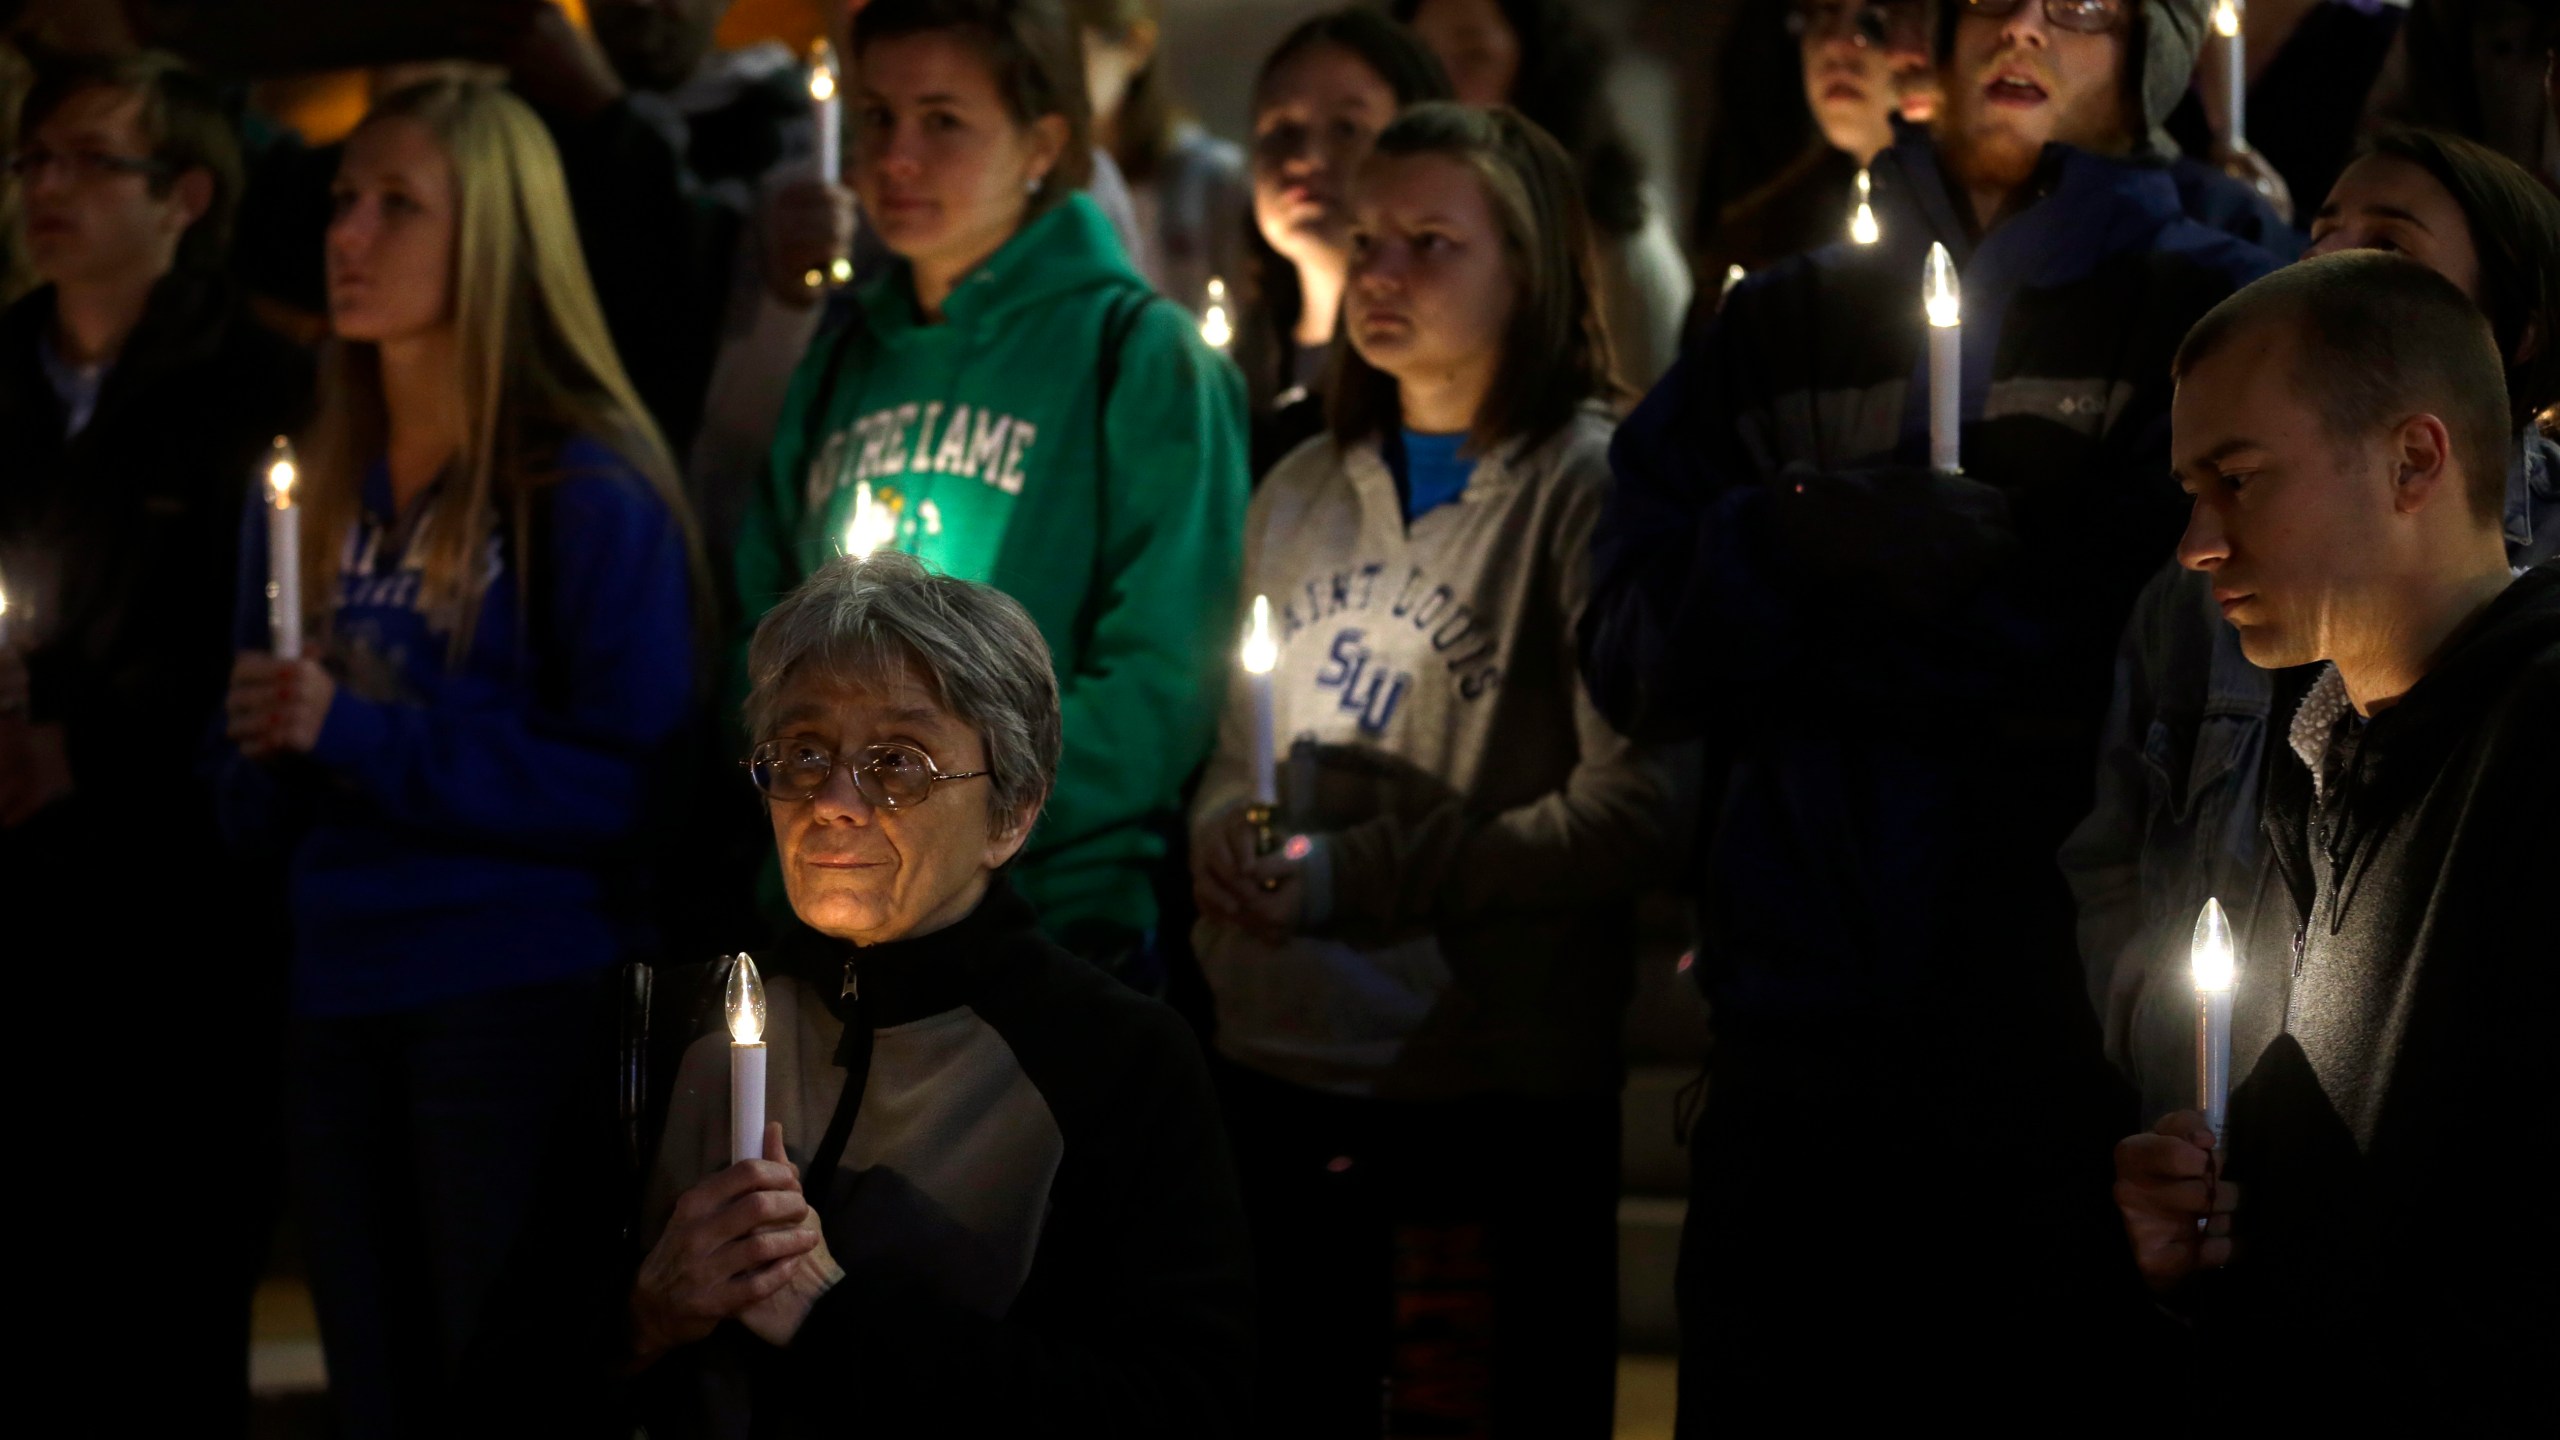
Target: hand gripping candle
{"type": "Point", "coordinates": [1946, 360]}
{"type": "Point", "coordinates": [284, 552]}
{"type": "Point", "coordinates": [746, 1060]}
{"type": "Point", "coordinates": [2235, 72]}
{"type": "Point", "coordinates": [2211, 956]}
{"type": "Point", "coordinates": [1261, 655]}
{"type": "Point", "coordinates": [1862, 217]}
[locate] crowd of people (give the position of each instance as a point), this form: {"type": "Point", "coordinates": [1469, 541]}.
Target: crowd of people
{"type": "Point", "coordinates": [1161, 668]}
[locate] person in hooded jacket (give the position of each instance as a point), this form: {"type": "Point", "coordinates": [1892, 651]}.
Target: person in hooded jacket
{"type": "Point", "coordinates": [2180, 778]}
{"type": "Point", "coordinates": [2377, 1204]}
{"type": "Point", "coordinates": [1012, 404]}
{"type": "Point", "coordinates": [1439, 962]}
{"type": "Point", "coordinates": [1900, 675]}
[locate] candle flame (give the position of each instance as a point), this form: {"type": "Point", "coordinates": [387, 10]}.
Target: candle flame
{"type": "Point", "coordinates": [745, 1001]}
{"type": "Point", "coordinates": [1732, 277]}
{"type": "Point", "coordinates": [1940, 294]}
{"type": "Point", "coordinates": [1261, 652]}
{"type": "Point", "coordinates": [2210, 952]}
{"type": "Point", "coordinates": [840, 270]}
{"type": "Point", "coordinates": [1862, 223]}
{"type": "Point", "coordinates": [1215, 327]}
{"type": "Point", "coordinates": [2226, 19]}
{"type": "Point", "coordinates": [281, 473]}
{"type": "Point", "coordinates": [822, 72]}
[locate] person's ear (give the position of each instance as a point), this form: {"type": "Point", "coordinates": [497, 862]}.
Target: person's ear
{"type": "Point", "coordinates": [1007, 840]}
{"type": "Point", "coordinates": [1143, 36]}
{"type": "Point", "coordinates": [190, 196]}
{"type": "Point", "coordinates": [2425, 474]}
{"type": "Point", "coordinates": [2528, 342]}
{"type": "Point", "coordinates": [1048, 136]}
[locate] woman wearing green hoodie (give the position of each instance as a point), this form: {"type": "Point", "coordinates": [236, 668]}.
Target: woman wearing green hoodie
{"type": "Point", "coordinates": [1010, 404]}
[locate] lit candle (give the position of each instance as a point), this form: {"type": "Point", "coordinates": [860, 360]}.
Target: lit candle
{"type": "Point", "coordinates": [1732, 277]}
{"type": "Point", "coordinates": [1946, 359]}
{"type": "Point", "coordinates": [746, 1060]}
{"type": "Point", "coordinates": [2214, 964]}
{"type": "Point", "coordinates": [1862, 220]}
{"type": "Point", "coordinates": [873, 524]}
{"type": "Point", "coordinates": [826, 108]}
{"type": "Point", "coordinates": [1215, 327]}
{"type": "Point", "coordinates": [1261, 654]}
{"type": "Point", "coordinates": [2235, 67]}
{"type": "Point", "coordinates": [284, 552]}
{"type": "Point", "coordinates": [4, 614]}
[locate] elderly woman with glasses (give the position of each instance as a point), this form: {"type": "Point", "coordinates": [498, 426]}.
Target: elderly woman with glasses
{"type": "Point", "coordinates": [994, 1194]}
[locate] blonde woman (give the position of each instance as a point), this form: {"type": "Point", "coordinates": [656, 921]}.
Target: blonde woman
{"type": "Point", "coordinates": [502, 588]}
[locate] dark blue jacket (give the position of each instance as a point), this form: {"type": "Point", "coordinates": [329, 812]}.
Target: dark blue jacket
{"type": "Point", "coordinates": [1901, 674]}
{"type": "Point", "coordinates": [463, 829]}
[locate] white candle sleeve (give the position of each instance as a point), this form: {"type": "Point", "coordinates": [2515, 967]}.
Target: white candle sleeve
{"type": "Point", "coordinates": [2213, 1048]}
{"type": "Point", "coordinates": [2235, 50]}
{"type": "Point", "coordinates": [284, 579]}
{"type": "Point", "coordinates": [1266, 761]}
{"type": "Point", "coordinates": [1946, 397]}
{"type": "Point", "coordinates": [746, 1101]}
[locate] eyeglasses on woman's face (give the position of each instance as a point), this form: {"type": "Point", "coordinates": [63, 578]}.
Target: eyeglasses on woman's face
{"type": "Point", "coordinates": [889, 777]}
{"type": "Point", "coordinates": [2084, 17]}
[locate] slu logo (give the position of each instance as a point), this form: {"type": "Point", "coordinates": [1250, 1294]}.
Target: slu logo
{"type": "Point", "coordinates": [1367, 690]}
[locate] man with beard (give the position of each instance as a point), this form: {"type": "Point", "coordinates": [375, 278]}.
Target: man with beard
{"type": "Point", "coordinates": [1900, 675]}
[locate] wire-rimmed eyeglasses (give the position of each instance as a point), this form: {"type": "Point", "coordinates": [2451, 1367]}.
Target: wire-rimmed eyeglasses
{"type": "Point", "coordinates": [887, 777]}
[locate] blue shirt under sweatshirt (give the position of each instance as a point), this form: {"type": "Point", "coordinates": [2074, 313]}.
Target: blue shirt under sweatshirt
{"type": "Point", "coordinates": [1428, 470]}
{"type": "Point", "coordinates": [462, 829]}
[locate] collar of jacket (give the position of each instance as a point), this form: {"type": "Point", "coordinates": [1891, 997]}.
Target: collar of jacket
{"type": "Point", "coordinates": [2483, 659]}
{"type": "Point", "coordinates": [2533, 499]}
{"type": "Point", "coordinates": [182, 324]}
{"type": "Point", "coordinates": [2076, 209]}
{"type": "Point", "coordinates": [1070, 246]}
{"type": "Point", "coordinates": [902, 980]}
{"type": "Point", "coordinates": [1365, 464]}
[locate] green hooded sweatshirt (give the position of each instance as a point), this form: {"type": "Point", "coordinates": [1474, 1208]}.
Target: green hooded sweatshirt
{"type": "Point", "coordinates": [1063, 439]}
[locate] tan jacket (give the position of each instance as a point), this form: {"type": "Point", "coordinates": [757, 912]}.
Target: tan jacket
{"type": "Point", "coordinates": [1480, 829]}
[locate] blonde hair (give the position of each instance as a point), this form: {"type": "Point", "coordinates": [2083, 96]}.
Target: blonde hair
{"type": "Point", "coordinates": [538, 367]}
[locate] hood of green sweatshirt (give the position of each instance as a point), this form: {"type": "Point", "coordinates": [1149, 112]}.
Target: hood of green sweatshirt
{"type": "Point", "coordinates": [1066, 248]}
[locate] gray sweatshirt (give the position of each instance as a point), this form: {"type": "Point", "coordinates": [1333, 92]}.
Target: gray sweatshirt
{"type": "Point", "coordinates": [1479, 829]}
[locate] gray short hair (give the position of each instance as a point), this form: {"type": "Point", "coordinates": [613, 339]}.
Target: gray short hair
{"type": "Point", "coordinates": [860, 618]}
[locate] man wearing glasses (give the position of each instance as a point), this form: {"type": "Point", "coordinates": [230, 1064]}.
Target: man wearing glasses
{"type": "Point", "coordinates": [1900, 674]}
{"type": "Point", "coordinates": [135, 396]}
{"type": "Point", "coordinates": [995, 1196]}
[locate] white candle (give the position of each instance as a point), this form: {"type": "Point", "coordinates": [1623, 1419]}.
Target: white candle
{"type": "Point", "coordinates": [2235, 72]}
{"type": "Point", "coordinates": [1946, 360]}
{"type": "Point", "coordinates": [1215, 327]}
{"type": "Point", "coordinates": [1862, 219]}
{"type": "Point", "coordinates": [2215, 966]}
{"type": "Point", "coordinates": [284, 552]}
{"type": "Point", "coordinates": [746, 1060]}
{"type": "Point", "coordinates": [826, 109]}
{"type": "Point", "coordinates": [1261, 654]}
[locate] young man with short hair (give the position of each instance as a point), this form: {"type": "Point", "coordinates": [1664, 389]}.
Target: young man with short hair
{"type": "Point", "coordinates": [137, 398]}
{"type": "Point", "coordinates": [1900, 675]}
{"type": "Point", "coordinates": [2381, 1200]}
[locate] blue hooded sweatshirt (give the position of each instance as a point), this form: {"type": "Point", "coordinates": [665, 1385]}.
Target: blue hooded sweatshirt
{"type": "Point", "coordinates": [459, 829]}
{"type": "Point", "coordinates": [1901, 674]}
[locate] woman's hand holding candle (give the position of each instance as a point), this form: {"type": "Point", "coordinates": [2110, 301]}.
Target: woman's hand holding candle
{"type": "Point", "coordinates": [1228, 875]}
{"type": "Point", "coordinates": [2177, 1209]}
{"type": "Point", "coordinates": [805, 1276]}
{"type": "Point", "coordinates": [735, 1240]}
{"type": "Point", "coordinates": [276, 706]}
